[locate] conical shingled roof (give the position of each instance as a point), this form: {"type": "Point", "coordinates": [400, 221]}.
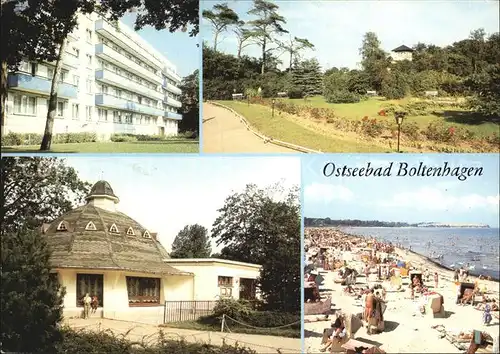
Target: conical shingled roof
{"type": "Point", "coordinates": [402, 48]}
{"type": "Point", "coordinates": [101, 189]}
{"type": "Point", "coordinates": [78, 246]}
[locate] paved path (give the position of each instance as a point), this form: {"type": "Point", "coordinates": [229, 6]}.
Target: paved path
{"type": "Point", "coordinates": [224, 132]}
{"type": "Point", "coordinates": [138, 331]}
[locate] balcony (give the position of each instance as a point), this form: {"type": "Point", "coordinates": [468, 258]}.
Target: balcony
{"type": "Point", "coordinates": [102, 99]}
{"type": "Point", "coordinates": [172, 88]}
{"type": "Point", "coordinates": [172, 115]}
{"type": "Point", "coordinates": [172, 75]}
{"type": "Point", "coordinates": [124, 37]}
{"type": "Point", "coordinates": [40, 85]}
{"type": "Point", "coordinates": [109, 54]}
{"type": "Point", "coordinates": [114, 79]}
{"type": "Point", "coordinates": [172, 102]}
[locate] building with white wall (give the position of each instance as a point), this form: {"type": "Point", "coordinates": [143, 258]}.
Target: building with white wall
{"type": "Point", "coordinates": [98, 250]}
{"type": "Point", "coordinates": [402, 53]}
{"type": "Point", "coordinates": [112, 81]}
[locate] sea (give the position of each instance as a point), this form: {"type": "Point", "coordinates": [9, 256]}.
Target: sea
{"type": "Point", "coordinates": [477, 247]}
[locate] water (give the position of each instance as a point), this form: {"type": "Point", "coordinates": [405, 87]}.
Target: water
{"type": "Point", "coordinates": [478, 247]}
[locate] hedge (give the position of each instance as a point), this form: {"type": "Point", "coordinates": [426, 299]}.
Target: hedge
{"type": "Point", "coordinates": [16, 139]}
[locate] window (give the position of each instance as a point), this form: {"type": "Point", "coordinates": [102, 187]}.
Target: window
{"type": "Point", "coordinates": [76, 51]}
{"type": "Point", "coordinates": [24, 105]}
{"type": "Point", "coordinates": [60, 109]}
{"type": "Point", "coordinates": [90, 226]}
{"type": "Point", "coordinates": [62, 77]}
{"type": "Point", "coordinates": [75, 111]}
{"type": "Point", "coordinates": [225, 281]}
{"type": "Point", "coordinates": [114, 229]}
{"type": "Point", "coordinates": [88, 113]}
{"type": "Point", "coordinates": [130, 231]}
{"type": "Point", "coordinates": [50, 73]}
{"type": "Point", "coordinates": [143, 291]}
{"type": "Point", "coordinates": [89, 35]}
{"type": "Point", "coordinates": [91, 284]}
{"type": "Point", "coordinates": [102, 115]}
{"type": "Point", "coordinates": [116, 117]}
{"type": "Point", "coordinates": [118, 93]}
{"type": "Point", "coordinates": [33, 69]}
{"type": "Point", "coordinates": [104, 89]}
{"type": "Point", "coordinates": [89, 86]}
{"type": "Point", "coordinates": [76, 80]}
{"type": "Point", "coordinates": [89, 60]}
{"type": "Point", "coordinates": [146, 234]}
{"type": "Point", "coordinates": [25, 66]}
{"type": "Point", "coordinates": [62, 226]}
{"type": "Point", "coordinates": [128, 118]}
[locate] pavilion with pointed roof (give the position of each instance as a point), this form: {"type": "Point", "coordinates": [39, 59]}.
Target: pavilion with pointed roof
{"type": "Point", "coordinates": [402, 52]}
{"type": "Point", "coordinates": [99, 250]}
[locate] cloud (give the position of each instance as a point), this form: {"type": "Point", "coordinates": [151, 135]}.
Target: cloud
{"type": "Point", "coordinates": [429, 198]}
{"type": "Point", "coordinates": [326, 193]}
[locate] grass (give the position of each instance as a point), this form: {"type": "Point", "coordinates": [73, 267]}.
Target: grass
{"type": "Point", "coordinates": [356, 111]}
{"type": "Point", "coordinates": [297, 131]}
{"type": "Point", "coordinates": [197, 326]}
{"type": "Point", "coordinates": [168, 146]}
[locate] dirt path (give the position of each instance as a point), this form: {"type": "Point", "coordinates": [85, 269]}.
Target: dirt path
{"type": "Point", "coordinates": [223, 132]}
{"type": "Point", "coordinates": [148, 333]}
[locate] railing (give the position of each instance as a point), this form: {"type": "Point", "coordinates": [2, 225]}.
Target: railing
{"type": "Point", "coordinates": [179, 311]}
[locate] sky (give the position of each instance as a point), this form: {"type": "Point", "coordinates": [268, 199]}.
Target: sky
{"type": "Point", "coordinates": [177, 47]}
{"type": "Point", "coordinates": [403, 199]}
{"type": "Point", "coordinates": [164, 194]}
{"type": "Point", "coordinates": [336, 28]}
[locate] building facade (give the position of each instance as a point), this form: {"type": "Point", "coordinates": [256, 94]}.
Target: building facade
{"type": "Point", "coordinates": [401, 53]}
{"type": "Point", "coordinates": [112, 82]}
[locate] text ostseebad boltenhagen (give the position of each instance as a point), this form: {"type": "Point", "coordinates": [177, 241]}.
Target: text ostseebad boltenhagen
{"type": "Point", "coordinates": [402, 169]}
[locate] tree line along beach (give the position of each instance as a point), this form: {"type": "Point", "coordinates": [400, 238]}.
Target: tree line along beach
{"type": "Point", "coordinates": [407, 315]}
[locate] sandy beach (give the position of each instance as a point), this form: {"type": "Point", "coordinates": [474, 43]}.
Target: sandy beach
{"type": "Point", "coordinates": [406, 329]}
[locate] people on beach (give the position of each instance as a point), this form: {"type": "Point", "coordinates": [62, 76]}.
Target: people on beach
{"type": "Point", "coordinates": [487, 315]}
{"type": "Point", "coordinates": [436, 279]}
{"type": "Point", "coordinates": [339, 332]}
{"type": "Point", "coordinates": [455, 275]}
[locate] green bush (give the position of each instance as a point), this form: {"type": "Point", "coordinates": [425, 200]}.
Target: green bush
{"type": "Point", "coordinates": [106, 342]}
{"type": "Point", "coordinates": [12, 139]}
{"type": "Point", "coordinates": [296, 93]}
{"type": "Point", "coordinates": [411, 130]}
{"type": "Point", "coordinates": [16, 139]}
{"type": "Point", "coordinates": [123, 138]}
{"type": "Point", "coordinates": [343, 96]}
{"type": "Point", "coordinates": [371, 127]}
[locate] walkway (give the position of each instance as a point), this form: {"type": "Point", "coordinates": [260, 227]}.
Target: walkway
{"type": "Point", "coordinates": [224, 132]}
{"type": "Point", "coordinates": [138, 331]}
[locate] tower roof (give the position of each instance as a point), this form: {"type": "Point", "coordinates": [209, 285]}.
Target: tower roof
{"type": "Point", "coordinates": [402, 48]}
{"type": "Point", "coordinates": [102, 189]}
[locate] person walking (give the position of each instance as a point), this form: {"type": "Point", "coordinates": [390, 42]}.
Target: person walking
{"type": "Point", "coordinates": [436, 278]}
{"type": "Point", "coordinates": [86, 305]}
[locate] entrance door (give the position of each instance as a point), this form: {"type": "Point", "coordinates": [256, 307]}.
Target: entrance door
{"type": "Point", "coordinates": [247, 289]}
{"type": "Point", "coordinates": [162, 131]}
{"type": "Point", "coordinates": [91, 284]}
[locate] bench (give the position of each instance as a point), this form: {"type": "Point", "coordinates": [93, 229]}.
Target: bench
{"type": "Point", "coordinates": [431, 93]}
{"type": "Point", "coordinates": [371, 93]}
{"type": "Point", "coordinates": [237, 96]}
{"type": "Point", "coordinates": [282, 94]}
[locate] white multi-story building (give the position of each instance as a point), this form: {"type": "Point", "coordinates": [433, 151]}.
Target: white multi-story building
{"type": "Point", "coordinates": [112, 81]}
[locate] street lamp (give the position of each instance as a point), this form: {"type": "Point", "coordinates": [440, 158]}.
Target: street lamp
{"type": "Point", "coordinates": [274, 101]}
{"type": "Point", "coordinates": [248, 100]}
{"type": "Point", "coordinates": [399, 116]}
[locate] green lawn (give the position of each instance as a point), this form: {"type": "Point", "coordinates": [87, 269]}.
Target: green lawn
{"type": "Point", "coordinates": [370, 107]}
{"type": "Point", "coordinates": [197, 326]}
{"type": "Point", "coordinates": [168, 146]}
{"type": "Point", "coordinates": [283, 128]}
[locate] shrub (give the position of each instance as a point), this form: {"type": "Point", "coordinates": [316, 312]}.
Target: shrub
{"type": "Point", "coordinates": [106, 342]}
{"type": "Point", "coordinates": [16, 139]}
{"type": "Point", "coordinates": [296, 93]}
{"type": "Point", "coordinates": [12, 139]}
{"type": "Point", "coordinates": [122, 138]}
{"type": "Point", "coordinates": [371, 127]}
{"type": "Point", "coordinates": [342, 97]}
{"type": "Point", "coordinates": [411, 130]}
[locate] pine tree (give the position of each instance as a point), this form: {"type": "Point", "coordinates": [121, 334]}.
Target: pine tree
{"type": "Point", "coordinates": [31, 297]}
{"type": "Point", "coordinates": [191, 242]}
{"type": "Point", "coordinates": [307, 77]}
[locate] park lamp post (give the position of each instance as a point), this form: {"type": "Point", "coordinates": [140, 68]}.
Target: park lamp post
{"type": "Point", "coordinates": [399, 116]}
{"type": "Point", "coordinates": [273, 101]}
{"type": "Point", "coordinates": [248, 100]}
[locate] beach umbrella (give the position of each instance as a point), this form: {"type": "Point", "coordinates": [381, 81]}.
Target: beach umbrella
{"type": "Point", "coordinates": [319, 279]}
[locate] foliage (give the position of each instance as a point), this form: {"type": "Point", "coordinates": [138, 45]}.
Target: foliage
{"type": "Point", "coordinates": [123, 138]}
{"type": "Point", "coordinates": [306, 77]}
{"type": "Point", "coordinates": [343, 96]}
{"type": "Point", "coordinates": [242, 311]}
{"type": "Point", "coordinates": [371, 127]}
{"type": "Point", "coordinates": [487, 92]}
{"type": "Point", "coordinates": [295, 92]}
{"type": "Point", "coordinates": [336, 87]}
{"type": "Point", "coordinates": [191, 242]}
{"type": "Point", "coordinates": [374, 60]}
{"type": "Point", "coordinates": [395, 85]}
{"type": "Point", "coordinates": [221, 17]}
{"type": "Point", "coordinates": [255, 226]}
{"type": "Point", "coordinates": [190, 100]}
{"type": "Point", "coordinates": [294, 46]}
{"type": "Point", "coordinates": [106, 342]}
{"type": "Point", "coordinates": [265, 27]}
{"type": "Point", "coordinates": [31, 299]}
{"type": "Point", "coordinates": [38, 189]}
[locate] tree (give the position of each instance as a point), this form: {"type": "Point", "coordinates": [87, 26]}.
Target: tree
{"type": "Point", "coordinates": [191, 242]}
{"type": "Point", "coordinates": [294, 46]}
{"type": "Point", "coordinates": [267, 24]}
{"type": "Point", "coordinates": [35, 190]}
{"type": "Point", "coordinates": [242, 36]}
{"type": "Point", "coordinates": [221, 17]}
{"type": "Point", "coordinates": [307, 77]}
{"type": "Point", "coordinates": [190, 103]}
{"type": "Point", "coordinates": [31, 298]}
{"type": "Point", "coordinates": [486, 88]}
{"type": "Point", "coordinates": [261, 226]}
{"type": "Point", "coordinates": [374, 60]}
